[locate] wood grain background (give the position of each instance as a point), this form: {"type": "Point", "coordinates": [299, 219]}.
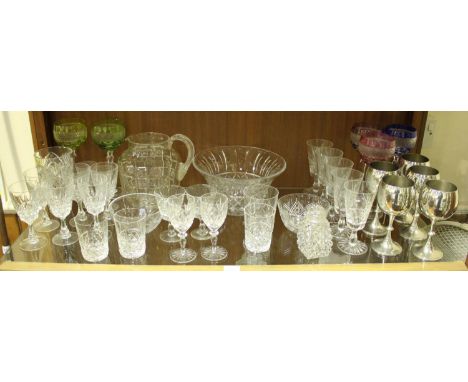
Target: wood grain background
{"type": "Point", "coordinates": [282, 132]}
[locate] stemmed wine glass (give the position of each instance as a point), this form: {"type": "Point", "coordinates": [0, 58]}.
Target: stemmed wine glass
{"type": "Point", "coordinates": [213, 209]}
{"type": "Point", "coordinates": [374, 174]}
{"type": "Point", "coordinates": [419, 175]}
{"type": "Point", "coordinates": [313, 156]}
{"type": "Point", "coordinates": [358, 202]}
{"type": "Point", "coordinates": [182, 209]}
{"type": "Point", "coordinates": [93, 193]}
{"type": "Point", "coordinates": [330, 156]}
{"type": "Point", "coordinates": [197, 191]}
{"type": "Point", "coordinates": [27, 207]}
{"type": "Point", "coordinates": [376, 146]}
{"type": "Point", "coordinates": [394, 198]}
{"type": "Point", "coordinates": [340, 175]}
{"type": "Point", "coordinates": [82, 174]}
{"type": "Point", "coordinates": [60, 203]}
{"type": "Point", "coordinates": [438, 201]}
{"type": "Point", "coordinates": [333, 164]}
{"type": "Point", "coordinates": [405, 137]}
{"type": "Point", "coordinates": [36, 184]}
{"type": "Point", "coordinates": [358, 129]}
{"type": "Point", "coordinates": [109, 135]}
{"type": "Point", "coordinates": [71, 133]}
{"type": "Point", "coordinates": [108, 172]}
{"type": "Point", "coordinates": [162, 194]}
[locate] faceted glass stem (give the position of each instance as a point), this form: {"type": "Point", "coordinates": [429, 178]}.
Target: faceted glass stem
{"type": "Point", "coordinates": [214, 240]}
{"type": "Point", "coordinates": [202, 228]}
{"type": "Point", "coordinates": [64, 231]}
{"type": "Point", "coordinates": [171, 231]}
{"type": "Point", "coordinates": [110, 156]}
{"type": "Point", "coordinates": [32, 236]}
{"type": "Point", "coordinates": [183, 241]}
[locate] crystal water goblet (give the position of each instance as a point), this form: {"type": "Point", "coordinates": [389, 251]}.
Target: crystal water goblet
{"type": "Point", "coordinates": [438, 201]}
{"type": "Point", "coordinates": [162, 194]}
{"type": "Point", "coordinates": [394, 197]}
{"type": "Point", "coordinates": [419, 175]}
{"type": "Point", "coordinates": [374, 174]}
{"type": "Point", "coordinates": [82, 175]}
{"type": "Point", "coordinates": [313, 156]}
{"type": "Point", "coordinates": [130, 226]}
{"type": "Point", "coordinates": [94, 193]}
{"type": "Point", "coordinates": [259, 221]}
{"type": "Point", "coordinates": [358, 198]}
{"type": "Point", "coordinates": [182, 209]}
{"type": "Point", "coordinates": [330, 156]}
{"type": "Point", "coordinates": [71, 133]}
{"type": "Point", "coordinates": [27, 207]}
{"type": "Point", "coordinates": [213, 209]}
{"type": "Point", "coordinates": [108, 171]}
{"type": "Point", "coordinates": [109, 135]}
{"type": "Point", "coordinates": [197, 191]}
{"type": "Point", "coordinates": [36, 184]}
{"type": "Point", "coordinates": [53, 162]}
{"type": "Point", "coordinates": [60, 204]}
{"type": "Point", "coordinates": [340, 176]}
{"type": "Point", "coordinates": [261, 193]}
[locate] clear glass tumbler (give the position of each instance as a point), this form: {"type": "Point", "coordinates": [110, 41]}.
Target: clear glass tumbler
{"type": "Point", "coordinates": [259, 221]}
{"type": "Point", "coordinates": [93, 237]}
{"type": "Point", "coordinates": [130, 226]}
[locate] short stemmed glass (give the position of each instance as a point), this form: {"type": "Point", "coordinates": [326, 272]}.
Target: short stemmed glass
{"type": "Point", "coordinates": [71, 133]}
{"type": "Point", "coordinates": [197, 191]}
{"type": "Point", "coordinates": [108, 172]}
{"type": "Point", "coordinates": [438, 201]}
{"type": "Point", "coordinates": [213, 209]}
{"type": "Point", "coordinates": [394, 196]}
{"type": "Point", "coordinates": [162, 194]}
{"type": "Point", "coordinates": [374, 174]}
{"type": "Point", "coordinates": [182, 209]}
{"type": "Point", "coordinates": [340, 176]}
{"type": "Point", "coordinates": [109, 135]}
{"type": "Point", "coordinates": [82, 175]}
{"type": "Point", "coordinates": [313, 156]}
{"type": "Point", "coordinates": [27, 207]}
{"type": "Point", "coordinates": [330, 156]}
{"type": "Point", "coordinates": [36, 184]}
{"type": "Point", "coordinates": [358, 202]}
{"type": "Point", "coordinates": [419, 175]}
{"type": "Point", "coordinates": [60, 204]}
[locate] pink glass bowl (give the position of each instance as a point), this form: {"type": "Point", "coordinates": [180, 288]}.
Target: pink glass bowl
{"type": "Point", "coordinates": [376, 146]}
{"type": "Point", "coordinates": [359, 129]}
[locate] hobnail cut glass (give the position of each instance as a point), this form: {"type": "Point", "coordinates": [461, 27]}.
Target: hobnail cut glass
{"type": "Point", "coordinates": [375, 146]}
{"type": "Point", "coordinates": [144, 202]}
{"type": "Point", "coordinates": [314, 238]}
{"type": "Point", "coordinates": [292, 208]}
{"type": "Point", "coordinates": [229, 169]}
{"type": "Point", "coordinates": [404, 135]}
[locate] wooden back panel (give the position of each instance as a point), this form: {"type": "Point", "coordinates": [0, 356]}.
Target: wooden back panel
{"type": "Point", "coordinates": [282, 132]}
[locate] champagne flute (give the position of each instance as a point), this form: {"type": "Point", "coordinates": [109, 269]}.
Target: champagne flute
{"type": "Point", "coordinates": [109, 135]}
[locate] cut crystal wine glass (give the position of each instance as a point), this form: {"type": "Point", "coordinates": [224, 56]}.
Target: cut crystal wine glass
{"type": "Point", "coordinates": [109, 135]}
{"type": "Point", "coordinates": [313, 156]}
{"type": "Point", "coordinates": [82, 175]}
{"type": "Point", "coordinates": [213, 209]}
{"type": "Point", "coordinates": [358, 202]}
{"type": "Point", "coordinates": [162, 194]}
{"type": "Point", "coordinates": [27, 207]}
{"type": "Point", "coordinates": [197, 191]}
{"type": "Point", "coordinates": [107, 172]}
{"type": "Point", "coordinates": [37, 184]}
{"type": "Point", "coordinates": [181, 209]}
{"type": "Point", "coordinates": [71, 133]}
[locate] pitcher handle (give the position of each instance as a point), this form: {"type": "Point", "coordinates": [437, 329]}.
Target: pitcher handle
{"type": "Point", "coordinates": [183, 168]}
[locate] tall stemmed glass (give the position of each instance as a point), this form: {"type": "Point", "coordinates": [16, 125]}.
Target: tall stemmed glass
{"type": "Point", "coordinates": [374, 174]}
{"type": "Point", "coordinates": [330, 189]}
{"type": "Point", "coordinates": [358, 129]}
{"type": "Point", "coordinates": [419, 175]}
{"type": "Point", "coordinates": [181, 210]}
{"type": "Point", "coordinates": [94, 195]}
{"type": "Point", "coordinates": [82, 174]}
{"type": "Point", "coordinates": [438, 201]}
{"type": "Point", "coordinates": [340, 176]}
{"type": "Point", "coordinates": [55, 159]}
{"type": "Point", "coordinates": [376, 146]}
{"type": "Point", "coordinates": [214, 208]}
{"type": "Point", "coordinates": [162, 194]}
{"type": "Point", "coordinates": [358, 202]}
{"type": "Point", "coordinates": [405, 137]}
{"type": "Point", "coordinates": [109, 135]}
{"type": "Point", "coordinates": [197, 191]}
{"type": "Point", "coordinates": [330, 156]}
{"type": "Point", "coordinates": [71, 133]}
{"type": "Point", "coordinates": [394, 196]}
{"type": "Point", "coordinates": [27, 207]}
{"type": "Point", "coordinates": [36, 184]}
{"type": "Point", "coordinates": [314, 158]}
{"type": "Point", "coordinates": [109, 173]}
{"type": "Point", "coordinates": [60, 202]}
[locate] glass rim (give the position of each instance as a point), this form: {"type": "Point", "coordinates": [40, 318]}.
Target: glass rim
{"type": "Point", "coordinates": [251, 205]}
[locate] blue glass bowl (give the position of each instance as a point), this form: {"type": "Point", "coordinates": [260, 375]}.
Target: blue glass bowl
{"type": "Point", "coordinates": [405, 136]}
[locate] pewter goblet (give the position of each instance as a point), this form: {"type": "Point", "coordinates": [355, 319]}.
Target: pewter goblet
{"type": "Point", "coordinates": [438, 201]}
{"type": "Point", "coordinates": [374, 174]}
{"type": "Point", "coordinates": [419, 175]}
{"type": "Point", "coordinates": [406, 162]}
{"type": "Point", "coordinates": [394, 198]}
